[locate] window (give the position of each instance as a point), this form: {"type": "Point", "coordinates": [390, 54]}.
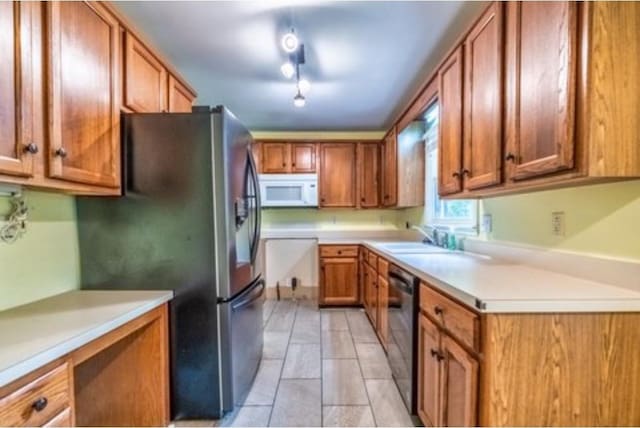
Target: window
{"type": "Point", "coordinates": [461, 215]}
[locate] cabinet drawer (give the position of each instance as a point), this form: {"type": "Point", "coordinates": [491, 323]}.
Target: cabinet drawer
{"type": "Point", "coordinates": [373, 259]}
{"type": "Point", "coordinates": [62, 419]}
{"type": "Point", "coordinates": [383, 267]}
{"type": "Point", "coordinates": [338, 251]}
{"type": "Point", "coordinates": [451, 316]}
{"type": "Point", "coordinates": [50, 393]}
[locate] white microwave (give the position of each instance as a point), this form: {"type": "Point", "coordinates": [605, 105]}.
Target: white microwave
{"type": "Point", "coordinates": [289, 190]}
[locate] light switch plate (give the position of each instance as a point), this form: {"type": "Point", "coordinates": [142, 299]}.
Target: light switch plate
{"type": "Point", "coordinates": [487, 223]}
{"type": "Point", "coordinates": [557, 223]}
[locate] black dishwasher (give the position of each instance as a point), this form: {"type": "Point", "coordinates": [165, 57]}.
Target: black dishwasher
{"type": "Point", "coordinates": [403, 336]}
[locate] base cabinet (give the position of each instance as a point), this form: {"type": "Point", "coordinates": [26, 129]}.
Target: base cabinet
{"type": "Point", "coordinates": [338, 275]}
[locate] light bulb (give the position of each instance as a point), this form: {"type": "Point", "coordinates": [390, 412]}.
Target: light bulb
{"type": "Point", "coordinates": [290, 42]}
{"type": "Point", "coordinates": [287, 69]}
{"type": "Point", "coordinates": [304, 86]}
{"type": "Point", "coordinates": [299, 100]}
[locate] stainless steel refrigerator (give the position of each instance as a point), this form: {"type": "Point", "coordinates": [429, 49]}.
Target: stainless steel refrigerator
{"type": "Point", "coordinates": [188, 220]}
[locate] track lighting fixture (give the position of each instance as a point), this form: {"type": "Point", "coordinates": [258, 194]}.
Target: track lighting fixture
{"type": "Point", "coordinates": [290, 42]}
{"type": "Point", "coordinates": [295, 52]}
{"type": "Point", "coordinates": [288, 69]}
{"type": "Point", "coordinates": [299, 100]}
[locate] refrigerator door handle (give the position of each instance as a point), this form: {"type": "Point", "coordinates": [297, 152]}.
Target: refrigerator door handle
{"type": "Point", "coordinates": [253, 170]}
{"type": "Point", "coordinates": [252, 296]}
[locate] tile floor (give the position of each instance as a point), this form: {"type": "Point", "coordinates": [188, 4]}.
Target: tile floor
{"type": "Point", "coordinates": [320, 368]}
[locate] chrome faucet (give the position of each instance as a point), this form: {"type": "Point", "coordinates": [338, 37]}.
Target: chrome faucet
{"type": "Point", "coordinates": [429, 238]}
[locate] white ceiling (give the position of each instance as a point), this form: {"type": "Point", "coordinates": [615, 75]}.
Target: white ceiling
{"type": "Point", "coordinates": [364, 59]}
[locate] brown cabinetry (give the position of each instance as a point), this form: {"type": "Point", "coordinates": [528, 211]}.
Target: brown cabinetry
{"type": "Point", "coordinates": [303, 158]}
{"type": "Point", "coordinates": [369, 175]}
{"type": "Point", "coordinates": [84, 106]}
{"type": "Point", "coordinates": [17, 146]}
{"type": "Point", "coordinates": [281, 157]}
{"type": "Point", "coordinates": [145, 78]}
{"type": "Point", "coordinates": [390, 169]}
{"type": "Point", "coordinates": [428, 372]}
{"type": "Point", "coordinates": [338, 276]}
{"type": "Point", "coordinates": [180, 96]}
{"type": "Point", "coordinates": [337, 178]}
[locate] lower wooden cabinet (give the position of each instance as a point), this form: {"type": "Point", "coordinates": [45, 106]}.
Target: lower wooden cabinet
{"type": "Point", "coordinates": [428, 372]}
{"type": "Point", "coordinates": [382, 322]}
{"type": "Point", "coordinates": [338, 277]}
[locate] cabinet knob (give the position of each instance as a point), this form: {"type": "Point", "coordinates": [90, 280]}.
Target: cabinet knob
{"type": "Point", "coordinates": [510, 157]}
{"type": "Point", "coordinates": [465, 172]}
{"type": "Point", "coordinates": [438, 310]}
{"type": "Point", "coordinates": [456, 174]}
{"type": "Point", "coordinates": [40, 404]}
{"type": "Point", "coordinates": [61, 152]}
{"type": "Point", "coordinates": [437, 354]}
{"type": "Point", "coordinates": [322, 200]}
{"type": "Point", "coordinates": [339, 252]}
{"type": "Point", "coordinates": [284, 164]}
{"type": "Point", "coordinates": [293, 164]}
{"type": "Point", "coordinates": [361, 199]}
{"type": "Point", "coordinates": [31, 148]}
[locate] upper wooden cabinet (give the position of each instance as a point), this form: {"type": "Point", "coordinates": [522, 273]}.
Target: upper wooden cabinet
{"type": "Point", "coordinates": [337, 178]}
{"type": "Point", "coordinates": [17, 147]}
{"type": "Point", "coordinates": [390, 169]}
{"type": "Point", "coordinates": [180, 96]}
{"type": "Point", "coordinates": [369, 174]}
{"type": "Point", "coordinates": [483, 64]}
{"type": "Point", "coordinates": [276, 158]}
{"type": "Point", "coordinates": [450, 97]}
{"type": "Point", "coordinates": [256, 151]}
{"type": "Point", "coordinates": [303, 158]}
{"type": "Point", "coordinates": [84, 106]}
{"type": "Point", "coordinates": [145, 78]}
{"type": "Point", "coordinates": [541, 87]}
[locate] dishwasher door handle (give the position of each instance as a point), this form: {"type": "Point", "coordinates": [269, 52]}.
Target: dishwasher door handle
{"type": "Point", "coordinates": [400, 283]}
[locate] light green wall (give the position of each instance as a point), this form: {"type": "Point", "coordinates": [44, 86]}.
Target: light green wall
{"type": "Point", "coordinates": [329, 218]}
{"type": "Point", "coordinates": [45, 261]}
{"type": "Point", "coordinates": [600, 219]}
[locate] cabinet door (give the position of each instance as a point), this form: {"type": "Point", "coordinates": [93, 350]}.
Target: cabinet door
{"type": "Point", "coordinates": [180, 97]}
{"type": "Point", "coordinates": [459, 385]}
{"type": "Point", "coordinates": [369, 173]}
{"type": "Point", "coordinates": [428, 372]}
{"type": "Point", "coordinates": [145, 78]}
{"type": "Point", "coordinates": [303, 158]}
{"type": "Point", "coordinates": [256, 150]}
{"type": "Point", "coordinates": [372, 277]}
{"type": "Point", "coordinates": [383, 310]}
{"type": "Point", "coordinates": [450, 129]}
{"type": "Point", "coordinates": [338, 175]}
{"type": "Point", "coordinates": [483, 61]}
{"type": "Point", "coordinates": [338, 281]}
{"type": "Point", "coordinates": [84, 133]}
{"type": "Point", "coordinates": [390, 169]}
{"type": "Point", "coordinates": [276, 158]}
{"type": "Point", "coordinates": [541, 83]}
{"type": "Point", "coordinates": [15, 89]}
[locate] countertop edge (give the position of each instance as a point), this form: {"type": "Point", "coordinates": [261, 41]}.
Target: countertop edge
{"type": "Point", "coordinates": [24, 367]}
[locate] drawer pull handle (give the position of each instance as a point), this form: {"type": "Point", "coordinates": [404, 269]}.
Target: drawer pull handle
{"type": "Point", "coordinates": [31, 148]}
{"type": "Point", "coordinates": [40, 404]}
{"type": "Point", "coordinates": [61, 152]}
{"type": "Point", "coordinates": [437, 354]}
{"type": "Point", "coordinates": [438, 310]}
{"type": "Point", "coordinates": [339, 252]}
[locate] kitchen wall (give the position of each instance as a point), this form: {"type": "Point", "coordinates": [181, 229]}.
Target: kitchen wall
{"type": "Point", "coordinates": [600, 220]}
{"type": "Point", "coordinates": [334, 219]}
{"type": "Point", "coordinates": [45, 261]}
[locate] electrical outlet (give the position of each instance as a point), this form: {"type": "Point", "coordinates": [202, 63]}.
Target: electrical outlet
{"type": "Point", "coordinates": [487, 223]}
{"type": "Point", "coordinates": [557, 223]}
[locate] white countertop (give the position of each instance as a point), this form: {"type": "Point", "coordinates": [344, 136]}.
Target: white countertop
{"type": "Point", "coordinates": [35, 334]}
{"type": "Point", "coordinates": [493, 285]}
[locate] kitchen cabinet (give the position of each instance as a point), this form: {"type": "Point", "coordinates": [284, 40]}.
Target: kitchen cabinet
{"type": "Point", "coordinates": [303, 158]}
{"type": "Point", "coordinates": [276, 158]}
{"type": "Point", "coordinates": [428, 372]}
{"type": "Point", "coordinates": [84, 107]}
{"type": "Point", "coordinates": [382, 319]}
{"type": "Point", "coordinates": [390, 169]}
{"type": "Point", "coordinates": [338, 275]}
{"type": "Point", "coordinates": [369, 174]}
{"type": "Point", "coordinates": [145, 78]}
{"type": "Point", "coordinates": [541, 88]}
{"type": "Point", "coordinates": [17, 146]}
{"type": "Point", "coordinates": [450, 97]}
{"type": "Point", "coordinates": [256, 151]}
{"type": "Point", "coordinates": [372, 291]}
{"type": "Point", "coordinates": [483, 93]}
{"type": "Point", "coordinates": [180, 96]}
{"type": "Point", "coordinates": [337, 178]}
{"type": "Point", "coordinates": [458, 385]}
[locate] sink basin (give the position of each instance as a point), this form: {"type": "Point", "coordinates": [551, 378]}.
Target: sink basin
{"type": "Point", "coordinates": [410, 248]}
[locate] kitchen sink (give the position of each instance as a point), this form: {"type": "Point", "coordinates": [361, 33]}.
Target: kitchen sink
{"type": "Point", "coordinates": [410, 248]}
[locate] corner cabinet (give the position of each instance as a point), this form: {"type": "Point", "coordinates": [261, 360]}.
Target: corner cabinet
{"type": "Point", "coordinates": [17, 147]}
{"type": "Point", "coordinates": [84, 107]}
{"type": "Point", "coordinates": [145, 78]}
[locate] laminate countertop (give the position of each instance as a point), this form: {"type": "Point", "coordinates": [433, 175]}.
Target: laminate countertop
{"type": "Point", "coordinates": [37, 333]}
{"type": "Point", "coordinates": [493, 285]}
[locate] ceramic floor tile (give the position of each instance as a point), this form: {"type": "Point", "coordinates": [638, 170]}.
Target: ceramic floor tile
{"type": "Point", "coordinates": [306, 331]}
{"type": "Point", "coordinates": [347, 416]}
{"type": "Point", "coordinates": [342, 383]}
{"type": "Point", "coordinates": [334, 320]}
{"type": "Point", "coordinates": [360, 327]}
{"type": "Point", "coordinates": [298, 403]}
{"type": "Point", "coordinates": [247, 416]}
{"type": "Point", "coordinates": [196, 423]}
{"type": "Point", "coordinates": [267, 310]}
{"type": "Point", "coordinates": [373, 361]}
{"type": "Point", "coordinates": [280, 320]}
{"type": "Point", "coordinates": [263, 390]}
{"type": "Point", "coordinates": [275, 344]}
{"type": "Point", "coordinates": [337, 344]}
{"type": "Point", "coordinates": [302, 362]}
{"type": "Point", "coordinates": [308, 311]}
{"type": "Point", "coordinates": [386, 403]}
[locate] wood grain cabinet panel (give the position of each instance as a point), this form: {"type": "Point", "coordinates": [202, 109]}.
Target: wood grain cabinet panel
{"type": "Point", "coordinates": [180, 97]}
{"type": "Point", "coordinates": [369, 174]}
{"type": "Point", "coordinates": [338, 281]}
{"type": "Point", "coordinates": [62, 419]}
{"type": "Point", "coordinates": [84, 107]}
{"type": "Point", "coordinates": [541, 84]}
{"type": "Point", "coordinates": [390, 169]}
{"type": "Point", "coordinates": [458, 385]}
{"type": "Point", "coordinates": [256, 151]}
{"type": "Point", "coordinates": [303, 158]}
{"type": "Point", "coordinates": [372, 290]}
{"type": "Point", "coordinates": [17, 148]}
{"type": "Point", "coordinates": [337, 175]}
{"type": "Point", "coordinates": [428, 372]}
{"type": "Point", "coordinates": [450, 80]}
{"type": "Point", "coordinates": [382, 321]}
{"type": "Point", "coordinates": [145, 78]}
{"type": "Point", "coordinates": [483, 60]}
{"type": "Point", "coordinates": [276, 158]}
